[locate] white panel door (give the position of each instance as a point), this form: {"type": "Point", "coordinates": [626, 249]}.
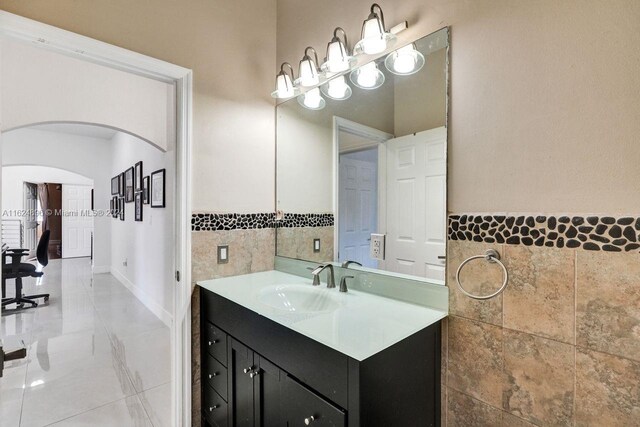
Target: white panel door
{"type": "Point", "coordinates": [416, 204]}
{"type": "Point", "coordinates": [77, 222]}
{"type": "Point", "coordinates": [30, 217]}
{"type": "Point", "coordinates": [358, 201]}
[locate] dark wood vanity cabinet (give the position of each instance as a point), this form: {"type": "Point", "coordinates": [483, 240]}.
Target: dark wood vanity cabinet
{"type": "Point", "coordinates": [256, 372]}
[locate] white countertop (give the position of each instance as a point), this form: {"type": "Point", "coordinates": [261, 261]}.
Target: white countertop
{"type": "Point", "coordinates": [358, 324]}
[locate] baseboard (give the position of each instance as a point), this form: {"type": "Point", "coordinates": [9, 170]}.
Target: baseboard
{"type": "Point", "coordinates": [100, 269]}
{"type": "Point", "coordinates": [154, 307]}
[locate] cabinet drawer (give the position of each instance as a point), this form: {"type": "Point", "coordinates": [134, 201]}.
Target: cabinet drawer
{"type": "Point", "coordinates": [214, 407]}
{"type": "Point", "coordinates": [215, 374]}
{"type": "Point", "coordinates": [215, 342]}
{"type": "Point", "coordinates": [304, 407]}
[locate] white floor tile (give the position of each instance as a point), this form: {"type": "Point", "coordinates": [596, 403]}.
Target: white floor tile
{"type": "Point", "coordinates": [90, 350]}
{"type": "Point", "coordinates": [127, 412]}
{"type": "Point", "coordinates": [157, 403]}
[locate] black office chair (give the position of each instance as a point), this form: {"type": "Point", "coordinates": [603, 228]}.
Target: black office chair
{"type": "Point", "coordinates": [17, 270]}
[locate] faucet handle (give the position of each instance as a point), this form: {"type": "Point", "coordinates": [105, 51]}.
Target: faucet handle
{"type": "Point", "coordinates": [343, 283]}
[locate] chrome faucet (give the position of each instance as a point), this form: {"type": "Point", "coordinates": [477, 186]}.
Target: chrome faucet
{"type": "Point", "coordinates": [331, 281]}
{"type": "Point", "coordinates": [349, 262]}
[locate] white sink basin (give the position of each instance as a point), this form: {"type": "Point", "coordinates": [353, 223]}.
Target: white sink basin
{"type": "Point", "coordinates": [298, 298]}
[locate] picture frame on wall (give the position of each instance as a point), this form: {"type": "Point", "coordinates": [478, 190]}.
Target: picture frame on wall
{"type": "Point", "coordinates": [121, 209]}
{"type": "Point", "coordinates": [121, 184]}
{"type": "Point", "coordinates": [145, 190]}
{"type": "Point", "coordinates": [114, 207]}
{"type": "Point", "coordinates": [158, 192]}
{"type": "Point", "coordinates": [138, 176]}
{"type": "Point", "coordinates": [138, 206]}
{"type": "Point", "coordinates": [115, 185]}
{"type": "Point", "coordinates": [128, 185]}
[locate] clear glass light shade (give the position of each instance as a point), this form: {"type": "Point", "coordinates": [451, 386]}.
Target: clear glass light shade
{"type": "Point", "coordinates": [312, 100]}
{"type": "Point", "coordinates": [337, 89]}
{"type": "Point", "coordinates": [404, 61]}
{"type": "Point", "coordinates": [284, 86]}
{"type": "Point", "coordinates": [308, 72]}
{"type": "Point", "coordinates": [367, 77]}
{"type": "Point", "coordinates": [337, 58]}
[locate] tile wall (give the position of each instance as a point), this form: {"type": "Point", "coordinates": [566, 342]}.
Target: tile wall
{"type": "Point", "coordinates": [560, 346]}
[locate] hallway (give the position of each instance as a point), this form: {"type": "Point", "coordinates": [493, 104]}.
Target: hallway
{"type": "Point", "coordinates": [96, 355]}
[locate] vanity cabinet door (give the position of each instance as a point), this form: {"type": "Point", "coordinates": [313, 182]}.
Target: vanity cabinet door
{"type": "Point", "coordinates": [268, 394]}
{"type": "Point", "coordinates": [305, 408]}
{"type": "Point", "coordinates": [240, 387]}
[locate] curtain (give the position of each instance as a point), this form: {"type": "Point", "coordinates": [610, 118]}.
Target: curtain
{"type": "Point", "coordinates": [43, 196]}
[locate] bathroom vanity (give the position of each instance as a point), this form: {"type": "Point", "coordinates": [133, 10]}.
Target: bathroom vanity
{"type": "Point", "coordinates": [278, 351]}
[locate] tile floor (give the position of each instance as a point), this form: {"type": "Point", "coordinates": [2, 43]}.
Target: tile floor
{"type": "Point", "coordinates": [96, 356]}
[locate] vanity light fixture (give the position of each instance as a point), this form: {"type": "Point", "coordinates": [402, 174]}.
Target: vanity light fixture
{"type": "Point", "coordinates": [312, 100]}
{"type": "Point", "coordinates": [337, 88]}
{"type": "Point", "coordinates": [368, 76]}
{"type": "Point", "coordinates": [374, 38]}
{"type": "Point", "coordinates": [405, 61]}
{"type": "Point", "coordinates": [338, 59]}
{"type": "Point", "coordinates": [284, 83]}
{"type": "Point", "coordinates": [308, 71]}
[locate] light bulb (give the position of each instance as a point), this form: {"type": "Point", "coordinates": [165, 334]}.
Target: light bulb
{"type": "Point", "coordinates": [337, 88]}
{"type": "Point", "coordinates": [337, 60]}
{"type": "Point", "coordinates": [404, 61]}
{"type": "Point", "coordinates": [284, 86]}
{"type": "Point", "coordinates": [312, 100]}
{"type": "Point", "coordinates": [308, 73]}
{"type": "Point", "coordinates": [368, 75]}
{"type": "Point", "coordinates": [373, 40]}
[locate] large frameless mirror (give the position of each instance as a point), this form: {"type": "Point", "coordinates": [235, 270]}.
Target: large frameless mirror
{"type": "Point", "coordinates": [362, 165]}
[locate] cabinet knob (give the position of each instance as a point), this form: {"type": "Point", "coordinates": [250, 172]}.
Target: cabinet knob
{"type": "Point", "coordinates": [213, 342]}
{"type": "Point", "coordinates": [254, 373]}
{"type": "Point", "coordinates": [248, 370]}
{"type": "Point", "coordinates": [211, 408]}
{"type": "Point", "coordinates": [215, 374]}
{"type": "Point", "coordinates": [309, 420]}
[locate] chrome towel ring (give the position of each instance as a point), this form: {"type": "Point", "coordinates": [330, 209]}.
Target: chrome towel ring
{"type": "Point", "coordinates": [491, 256]}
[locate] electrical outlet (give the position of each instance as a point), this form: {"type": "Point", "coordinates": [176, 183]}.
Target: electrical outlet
{"type": "Point", "coordinates": [124, 263]}
{"type": "Point", "coordinates": [316, 245]}
{"type": "Point", "coordinates": [376, 248]}
{"type": "Point", "coordinates": [223, 254]}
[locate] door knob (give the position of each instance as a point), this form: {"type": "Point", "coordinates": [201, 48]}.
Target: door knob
{"type": "Point", "coordinates": [215, 374]}
{"type": "Point", "coordinates": [247, 370]}
{"type": "Point", "coordinates": [309, 420]}
{"type": "Point", "coordinates": [254, 373]}
{"type": "Point", "coordinates": [211, 408]}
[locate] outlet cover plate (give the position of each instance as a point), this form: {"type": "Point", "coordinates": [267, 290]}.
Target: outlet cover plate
{"type": "Point", "coordinates": [376, 248]}
{"type": "Point", "coordinates": [316, 245]}
{"type": "Point", "coordinates": [223, 254]}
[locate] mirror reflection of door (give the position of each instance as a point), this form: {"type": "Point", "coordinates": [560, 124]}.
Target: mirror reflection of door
{"type": "Point", "coordinates": [30, 217]}
{"type": "Point", "coordinates": [358, 201]}
{"type": "Point", "coordinates": [416, 204]}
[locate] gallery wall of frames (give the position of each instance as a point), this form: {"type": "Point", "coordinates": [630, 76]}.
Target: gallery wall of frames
{"type": "Point", "coordinates": [133, 186]}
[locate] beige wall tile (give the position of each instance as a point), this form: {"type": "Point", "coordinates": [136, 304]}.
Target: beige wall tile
{"type": "Point", "coordinates": [540, 379]}
{"type": "Point", "coordinates": [196, 398]}
{"type": "Point", "coordinates": [608, 303]}
{"type": "Point", "coordinates": [510, 420]}
{"type": "Point", "coordinates": [607, 390]}
{"type": "Point", "coordinates": [464, 411]}
{"type": "Point", "coordinates": [478, 277]}
{"type": "Point", "coordinates": [297, 242]}
{"type": "Point", "coordinates": [539, 298]}
{"type": "Point", "coordinates": [250, 251]}
{"type": "Point", "coordinates": [475, 360]}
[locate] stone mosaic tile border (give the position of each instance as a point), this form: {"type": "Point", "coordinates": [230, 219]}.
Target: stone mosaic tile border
{"type": "Point", "coordinates": [592, 233]}
{"type": "Point", "coordinates": [236, 221]}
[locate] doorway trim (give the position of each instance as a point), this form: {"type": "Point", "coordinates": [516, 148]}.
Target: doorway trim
{"type": "Point", "coordinates": [88, 49]}
{"type": "Point", "coordinates": [377, 138]}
